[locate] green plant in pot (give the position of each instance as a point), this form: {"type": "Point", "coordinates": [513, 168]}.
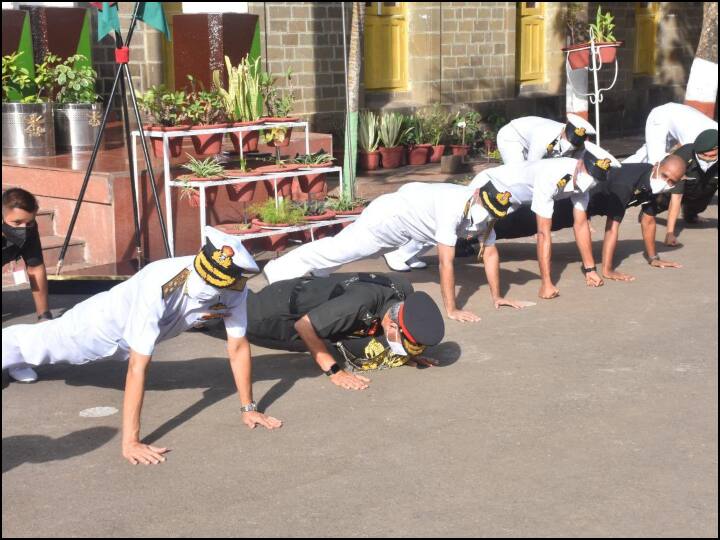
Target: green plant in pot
{"type": "Point", "coordinates": [205, 110]}
{"type": "Point", "coordinates": [241, 192]}
{"type": "Point", "coordinates": [26, 106]}
{"type": "Point", "coordinates": [242, 99]}
{"type": "Point", "coordinates": [368, 139]}
{"type": "Point", "coordinates": [418, 148]}
{"type": "Point", "coordinates": [281, 214]}
{"type": "Point", "coordinates": [465, 129]}
{"type": "Point", "coordinates": [200, 171]}
{"type": "Point", "coordinates": [278, 105]}
{"type": "Point", "coordinates": [167, 111]}
{"type": "Point", "coordinates": [344, 205]}
{"type": "Point", "coordinates": [391, 135]}
{"type": "Point", "coordinates": [601, 31]}
{"type": "Point", "coordinates": [435, 121]}
{"type": "Point", "coordinates": [78, 114]}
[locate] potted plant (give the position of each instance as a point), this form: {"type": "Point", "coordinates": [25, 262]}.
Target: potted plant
{"type": "Point", "coordinates": [369, 138]}
{"type": "Point", "coordinates": [284, 184]}
{"type": "Point", "coordinates": [419, 148]}
{"type": "Point", "coordinates": [244, 192]}
{"type": "Point", "coordinates": [78, 115]}
{"type": "Point", "coordinates": [205, 110]}
{"type": "Point", "coordinates": [465, 128]}
{"type": "Point", "coordinates": [345, 206]}
{"type": "Point", "coordinates": [313, 183]}
{"type": "Point", "coordinates": [391, 133]}
{"type": "Point", "coordinates": [488, 135]}
{"type": "Point", "coordinates": [602, 32]}
{"type": "Point", "coordinates": [238, 228]}
{"type": "Point", "coordinates": [167, 111]}
{"type": "Point", "coordinates": [278, 106]}
{"type": "Point", "coordinates": [435, 127]}
{"type": "Point", "coordinates": [316, 210]}
{"type": "Point", "coordinates": [207, 170]}
{"type": "Point", "coordinates": [242, 100]}
{"type": "Point", "coordinates": [277, 216]}
{"type": "Point", "coordinates": [27, 115]}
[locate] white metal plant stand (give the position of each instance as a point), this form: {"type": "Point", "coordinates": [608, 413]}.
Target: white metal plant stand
{"type": "Point", "coordinates": [202, 186]}
{"type": "Point", "coordinates": [595, 97]}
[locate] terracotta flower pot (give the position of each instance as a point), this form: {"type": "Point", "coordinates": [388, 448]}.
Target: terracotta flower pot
{"type": "Point", "coordinates": [313, 183]}
{"type": "Point", "coordinates": [208, 144]}
{"type": "Point", "coordinates": [250, 139]}
{"type": "Point", "coordinates": [236, 228]}
{"type": "Point", "coordinates": [369, 161]}
{"type": "Point", "coordinates": [321, 232]}
{"type": "Point", "coordinates": [241, 192]}
{"type": "Point", "coordinates": [328, 214]}
{"type": "Point", "coordinates": [418, 154]}
{"type": "Point", "coordinates": [608, 51]}
{"type": "Point", "coordinates": [489, 145]}
{"type": "Point", "coordinates": [275, 242]}
{"type": "Point", "coordinates": [437, 153]}
{"type": "Point", "coordinates": [579, 54]}
{"type": "Point", "coordinates": [460, 149]}
{"type": "Point", "coordinates": [391, 157]}
{"type": "Point", "coordinates": [284, 187]}
{"type": "Point", "coordinates": [193, 198]}
{"type": "Point", "coordinates": [288, 131]}
{"type": "Point", "coordinates": [354, 212]}
{"type": "Point", "coordinates": [175, 144]}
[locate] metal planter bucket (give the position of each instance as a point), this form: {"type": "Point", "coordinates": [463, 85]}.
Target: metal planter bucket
{"type": "Point", "coordinates": [27, 129]}
{"type": "Point", "coordinates": [77, 125]}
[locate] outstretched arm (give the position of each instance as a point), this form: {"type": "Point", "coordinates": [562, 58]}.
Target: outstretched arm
{"type": "Point", "coordinates": [673, 214]}
{"type": "Point", "coordinates": [544, 255]}
{"type": "Point", "coordinates": [446, 256]}
{"type": "Point", "coordinates": [583, 238]}
{"type": "Point", "coordinates": [648, 226]}
{"type": "Point", "coordinates": [491, 260]}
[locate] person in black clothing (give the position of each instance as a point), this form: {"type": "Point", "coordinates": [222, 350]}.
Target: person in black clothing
{"type": "Point", "coordinates": [633, 184]}
{"type": "Point", "coordinates": [21, 239]}
{"type": "Point", "coordinates": [700, 185]}
{"type": "Point", "coordinates": [373, 320]}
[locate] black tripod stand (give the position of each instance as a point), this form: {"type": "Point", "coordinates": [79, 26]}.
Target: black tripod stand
{"type": "Point", "coordinates": [122, 56]}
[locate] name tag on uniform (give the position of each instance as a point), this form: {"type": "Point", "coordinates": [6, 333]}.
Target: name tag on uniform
{"type": "Point", "coordinates": [19, 277]}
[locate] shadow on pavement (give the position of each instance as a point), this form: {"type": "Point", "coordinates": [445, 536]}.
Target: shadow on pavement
{"type": "Point", "coordinates": [20, 449]}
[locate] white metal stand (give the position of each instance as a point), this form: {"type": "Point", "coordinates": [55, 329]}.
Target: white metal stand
{"type": "Point", "coordinates": [202, 186]}
{"type": "Point", "coordinates": [596, 97]}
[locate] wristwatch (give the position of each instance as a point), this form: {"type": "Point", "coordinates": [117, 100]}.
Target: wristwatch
{"type": "Point", "coordinates": [333, 370]}
{"type": "Point", "coordinates": [251, 407]}
{"type": "Point", "coordinates": [588, 270]}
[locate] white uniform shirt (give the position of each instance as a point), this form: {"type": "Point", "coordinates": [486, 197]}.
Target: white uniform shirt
{"type": "Point", "coordinates": [134, 315]}
{"type": "Point", "coordinates": [427, 213]}
{"type": "Point", "coordinates": [538, 183]}
{"type": "Point", "coordinates": [536, 133]}
{"type": "Point", "coordinates": [674, 123]}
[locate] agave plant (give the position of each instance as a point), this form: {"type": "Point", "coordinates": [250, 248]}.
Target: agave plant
{"type": "Point", "coordinates": [368, 135]}
{"type": "Point", "coordinates": [318, 158]}
{"type": "Point", "coordinates": [208, 168]}
{"type": "Point", "coordinates": [391, 129]}
{"type": "Point", "coordinates": [242, 99]}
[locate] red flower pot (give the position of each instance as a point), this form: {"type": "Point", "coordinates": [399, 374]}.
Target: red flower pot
{"type": "Point", "coordinates": [392, 157]}
{"type": "Point", "coordinates": [579, 54]}
{"type": "Point", "coordinates": [208, 144]}
{"type": "Point", "coordinates": [355, 212]}
{"type": "Point", "coordinates": [284, 187]}
{"type": "Point", "coordinates": [275, 242]}
{"type": "Point", "coordinates": [250, 139]}
{"type": "Point", "coordinates": [369, 161]}
{"type": "Point", "coordinates": [175, 144]}
{"type": "Point", "coordinates": [288, 131]}
{"type": "Point", "coordinates": [241, 192]}
{"type": "Point", "coordinates": [460, 149]}
{"type": "Point", "coordinates": [320, 232]}
{"type": "Point", "coordinates": [193, 198]}
{"type": "Point", "coordinates": [437, 153]}
{"type": "Point", "coordinates": [313, 183]}
{"type": "Point", "coordinates": [608, 51]}
{"type": "Point", "coordinates": [418, 154]}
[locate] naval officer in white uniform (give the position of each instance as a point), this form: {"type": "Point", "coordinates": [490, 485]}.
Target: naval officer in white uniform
{"type": "Point", "coordinates": [667, 126]}
{"type": "Point", "coordinates": [540, 184]}
{"type": "Point", "coordinates": [420, 214]}
{"type": "Point", "coordinates": [531, 138]}
{"type": "Point", "coordinates": [161, 301]}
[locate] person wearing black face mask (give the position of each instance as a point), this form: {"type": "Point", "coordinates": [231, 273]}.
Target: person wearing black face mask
{"type": "Point", "coordinates": [21, 239]}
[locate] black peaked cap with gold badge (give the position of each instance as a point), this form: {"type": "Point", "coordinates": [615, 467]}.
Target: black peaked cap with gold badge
{"type": "Point", "coordinates": [421, 322]}
{"type": "Point", "coordinates": [598, 161]}
{"type": "Point", "coordinates": [223, 260]}
{"type": "Point", "coordinates": [496, 202]}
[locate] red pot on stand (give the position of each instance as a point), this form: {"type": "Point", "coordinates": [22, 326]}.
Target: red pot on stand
{"type": "Point", "coordinates": [208, 144]}
{"type": "Point", "coordinates": [175, 144]}
{"type": "Point", "coordinates": [249, 139]}
{"type": "Point", "coordinates": [288, 131]}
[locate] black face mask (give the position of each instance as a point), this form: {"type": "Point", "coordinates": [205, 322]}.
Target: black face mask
{"type": "Point", "coordinates": [17, 235]}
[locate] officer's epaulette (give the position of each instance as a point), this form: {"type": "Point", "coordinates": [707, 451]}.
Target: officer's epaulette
{"type": "Point", "coordinates": [563, 181]}
{"type": "Point", "coordinates": [178, 281]}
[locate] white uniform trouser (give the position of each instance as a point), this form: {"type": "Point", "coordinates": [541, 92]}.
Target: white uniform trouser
{"type": "Point", "coordinates": [73, 338]}
{"type": "Point", "coordinates": [413, 248]}
{"type": "Point", "coordinates": [510, 145]}
{"type": "Point", "coordinates": [365, 237]}
{"type": "Point", "coordinates": [641, 156]}
{"type": "Point", "coordinates": [656, 135]}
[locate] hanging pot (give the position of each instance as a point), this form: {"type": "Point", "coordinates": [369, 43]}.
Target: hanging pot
{"type": "Point", "coordinates": [28, 129]}
{"type": "Point", "coordinates": [77, 125]}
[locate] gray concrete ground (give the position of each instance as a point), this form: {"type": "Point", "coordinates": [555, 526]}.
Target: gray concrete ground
{"type": "Point", "coordinates": [594, 414]}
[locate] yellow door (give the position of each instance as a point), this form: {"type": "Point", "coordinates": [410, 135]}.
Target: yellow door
{"type": "Point", "coordinates": [171, 9]}
{"type": "Point", "coordinates": [531, 42]}
{"type": "Point", "coordinates": [646, 22]}
{"type": "Point", "coordinates": [385, 52]}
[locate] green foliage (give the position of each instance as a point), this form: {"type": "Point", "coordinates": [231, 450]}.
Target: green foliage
{"type": "Point", "coordinates": [165, 107]}
{"type": "Point", "coordinates": [391, 129]}
{"type": "Point", "coordinates": [242, 99]}
{"type": "Point", "coordinates": [207, 168]}
{"type": "Point", "coordinates": [16, 79]}
{"type": "Point", "coordinates": [284, 213]}
{"type": "Point", "coordinates": [435, 124]}
{"type": "Point", "coordinates": [493, 124]}
{"type": "Point", "coordinates": [312, 207]}
{"type": "Point", "coordinates": [278, 104]}
{"type": "Point", "coordinates": [603, 27]}
{"type": "Point", "coordinates": [204, 107]}
{"type": "Point", "coordinates": [411, 130]}
{"type": "Point", "coordinates": [344, 203]}
{"type": "Point", "coordinates": [74, 80]}
{"type": "Point", "coordinates": [320, 157]}
{"type": "Point", "coordinates": [466, 126]}
{"type": "Point", "coordinates": [368, 135]}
